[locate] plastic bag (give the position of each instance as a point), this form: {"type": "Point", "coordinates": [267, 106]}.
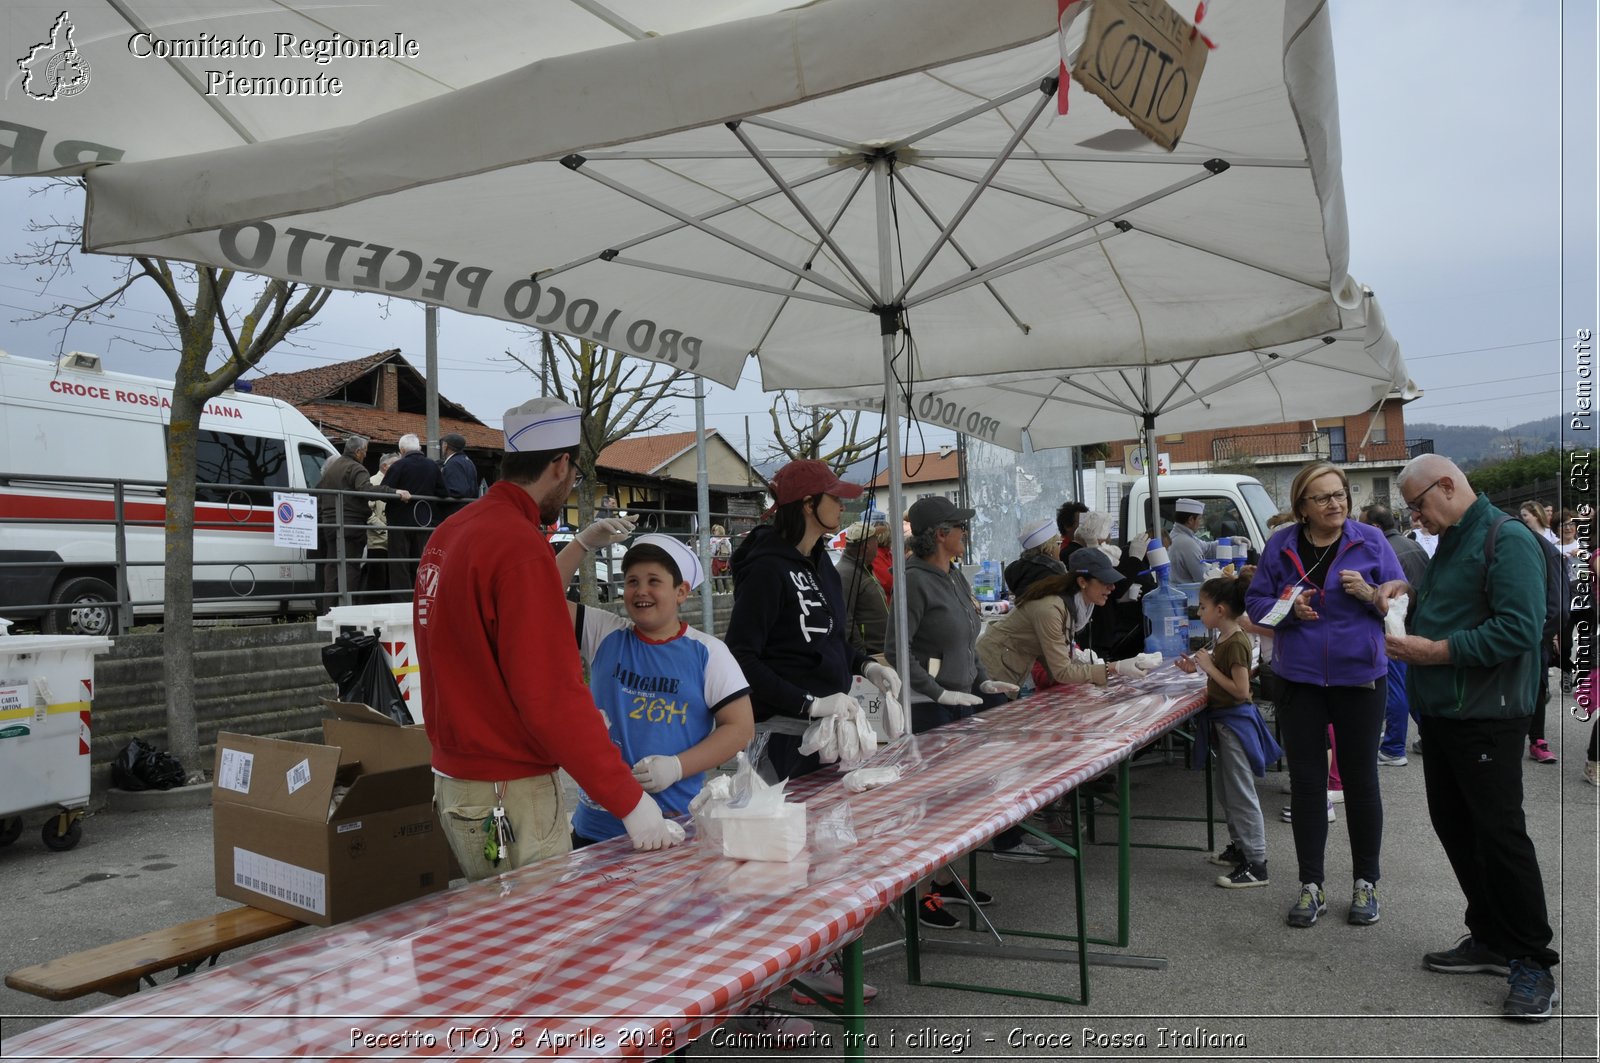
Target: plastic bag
{"type": "Point", "coordinates": [360, 668]}
{"type": "Point", "coordinates": [140, 766]}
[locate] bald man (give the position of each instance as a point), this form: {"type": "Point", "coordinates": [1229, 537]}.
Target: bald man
{"type": "Point", "coordinates": [1474, 658]}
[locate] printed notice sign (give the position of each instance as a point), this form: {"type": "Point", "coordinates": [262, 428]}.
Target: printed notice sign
{"type": "Point", "coordinates": [16, 699]}
{"type": "Point", "coordinates": [233, 773]}
{"type": "Point", "coordinates": [299, 886]}
{"type": "Point", "coordinates": [294, 520]}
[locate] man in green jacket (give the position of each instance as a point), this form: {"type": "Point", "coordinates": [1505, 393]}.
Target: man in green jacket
{"type": "Point", "coordinates": [1473, 652]}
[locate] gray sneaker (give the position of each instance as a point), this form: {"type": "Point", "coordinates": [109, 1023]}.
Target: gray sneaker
{"type": "Point", "coordinates": [1306, 909]}
{"type": "Point", "coordinates": [1533, 993]}
{"type": "Point", "coordinates": [1468, 957]}
{"type": "Point", "coordinates": [1364, 904]}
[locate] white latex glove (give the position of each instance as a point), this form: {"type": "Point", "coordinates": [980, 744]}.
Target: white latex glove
{"type": "Point", "coordinates": [656, 773]}
{"type": "Point", "coordinates": [648, 828]}
{"type": "Point", "coordinates": [995, 686]}
{"type": "Point", "coordinates": [1130, 668]}
{"type": "Point", "coordinates": [1081, 655]}
{"type": "Point", "coordinates": [833, 705]}
{"type": "Point", "coordinates": [604, 532]}
{"type": "Point", "coordinates": [959, 699]}
{"type": "Point", "coordinates": [1133, 593]}
{"type": "Point", "coordinates": [884, 678]}
{"type": "Point", "coordinates": [894, 717]}
{"type": "Point", "coordinates": [1138, 548]}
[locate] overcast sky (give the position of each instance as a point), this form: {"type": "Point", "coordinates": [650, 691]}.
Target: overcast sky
{"type": "Point", "coordinates": [1469, 167]}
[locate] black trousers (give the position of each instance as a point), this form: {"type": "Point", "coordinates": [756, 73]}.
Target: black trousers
{"type": "Point", "coordinates": [1473, 777]}
{"type": "Point", "coordinates": [355, 541]}
{"type": "Point", "coordinates": [1357, 716]}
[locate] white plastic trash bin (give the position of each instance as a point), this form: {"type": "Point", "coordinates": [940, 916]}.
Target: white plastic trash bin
{"type": "Point", "coordinates": [392, 625]}
{"type": "Point", "coordinates": [46, 693]}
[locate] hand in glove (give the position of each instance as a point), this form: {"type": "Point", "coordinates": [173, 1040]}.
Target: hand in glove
{"type": "Point", "coordinates": [1133, 593]}
{"type": "Point", "coordinates": [1130, 668]}
{"type": "Point", "coordinates": [995, 686]}
{"type": "Point", "coordinates": [833, 705]}
{"type": "Point", "coordinates": [604, 532]}
{"type": "Point", "coordinates": [1080, 655]}
{"type": "Point", "coordinates": [656, 773]}
{"type": "Point", "coordinates": [884, 678]}
{"type": "Point", "coordinates": [648, 829]}
{"type": "Point", "coordinates": [959, 699]}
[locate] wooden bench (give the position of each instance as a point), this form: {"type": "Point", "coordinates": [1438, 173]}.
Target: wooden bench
{"type": "Point", "coordinates": [117, 968]}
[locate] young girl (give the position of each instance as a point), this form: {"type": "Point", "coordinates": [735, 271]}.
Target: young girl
{"type": "Point", "coordinates": [1244, 745]}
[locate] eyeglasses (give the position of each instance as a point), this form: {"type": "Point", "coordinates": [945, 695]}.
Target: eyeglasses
{"type": "Point", "coordinates": [959, 525]}
{"type": "Point", "coordinates": [1415, 505]}
{"type": "Point", "coordinates": [1327, 501]}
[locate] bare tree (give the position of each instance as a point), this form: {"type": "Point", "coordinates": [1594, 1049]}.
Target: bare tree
{"type": "Point", "coordinates": [197, 298]}
{"type": "Point", "coordinates": [808, 433]}
{"type": "Point", "coordinates": [619, 396]}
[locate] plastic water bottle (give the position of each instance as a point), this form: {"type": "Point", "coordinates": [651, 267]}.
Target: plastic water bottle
{"type": "Point", "coordinates": [986, 581]}
{"type": "Point", "coordinates": [1166, 612]}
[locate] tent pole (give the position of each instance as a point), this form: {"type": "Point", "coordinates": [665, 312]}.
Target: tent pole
{"type": "Point", "coordinates": [1152, 464]}
{"type": "Point", "coordinates": [702, 493]}
{"type": "Point", "coordinates": [887, 327]}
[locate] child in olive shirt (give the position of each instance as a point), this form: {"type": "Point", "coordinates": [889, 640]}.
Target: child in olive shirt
{"type": "Point", "coordinates": [1244, 745]}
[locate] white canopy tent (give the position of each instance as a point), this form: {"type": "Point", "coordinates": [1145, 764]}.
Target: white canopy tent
{"type": "Point", "coordinates": [852, 191]}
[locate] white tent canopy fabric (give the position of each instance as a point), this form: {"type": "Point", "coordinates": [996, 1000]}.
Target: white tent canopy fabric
{"type": "Point", "coordinates": [712, 194]}
{"type": "Point", "coordinates": [1336, 374]}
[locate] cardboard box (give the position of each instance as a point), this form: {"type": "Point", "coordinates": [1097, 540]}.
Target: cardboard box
{"type": "Point", "coordinates": [278, 847]}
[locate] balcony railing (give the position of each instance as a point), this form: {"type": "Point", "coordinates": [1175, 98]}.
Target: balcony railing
{"type": "Point", "coordinates": [1300, 446]}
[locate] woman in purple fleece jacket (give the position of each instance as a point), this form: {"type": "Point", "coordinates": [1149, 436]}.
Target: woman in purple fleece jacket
{"type": "Point", "coordinates": [1328, 655]}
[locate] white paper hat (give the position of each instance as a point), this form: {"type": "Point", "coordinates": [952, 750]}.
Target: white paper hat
{"type": "Point", "coordinates": [1190, 505]}
{"type": "Point", "coordinates": [1038, 533]}
{"type": "Point", "coordinates": [541, 424]}
{"type": "Point", "coordinates": [687, 560]}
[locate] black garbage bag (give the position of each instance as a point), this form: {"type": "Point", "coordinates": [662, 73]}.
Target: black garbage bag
{"type": "Point", "coordinates": [140, 766]}
{"type": "Point", "coordinates": [360, 669]}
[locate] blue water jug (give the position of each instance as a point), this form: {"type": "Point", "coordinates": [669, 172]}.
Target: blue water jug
{"type": "Point", "coordinates": [1166, 619]}
{"type": "Point", "coordinates": [986, 582]}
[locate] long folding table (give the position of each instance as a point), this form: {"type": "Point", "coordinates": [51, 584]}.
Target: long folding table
{"type": "Point", "coordinates": [609, 953]}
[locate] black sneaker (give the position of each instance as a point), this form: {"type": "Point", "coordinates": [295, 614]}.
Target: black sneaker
{"type": "Point", "coordinates": [1533, 992]}
{"type": "Point", "coordinates": [1310, 904]}
{"type": "Point", "coordinates": [1244, 876]}
{"type": "Point", "coordinates": [1229, 857]}
{"type": "Point", "coordinates": [950, 893]}
{"type": "Point", "coordinates": [1468, 957]}
{"type": "Point", "coordinates": [931, 912]}
{"type": "Point", "coordinates": [1363, 904]}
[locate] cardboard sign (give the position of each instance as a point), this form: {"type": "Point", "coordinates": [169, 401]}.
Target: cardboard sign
{"type": "Point", "coordinates": [1143, 60]}
{"type": "Point", "coordinates": [294, 520]}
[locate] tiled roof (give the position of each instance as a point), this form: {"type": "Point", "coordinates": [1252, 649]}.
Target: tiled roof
{"type": "Point", "coordinates": [644, 455]}
{"type": "Point", "coordinates": [318, 382]}
{"type": "Point", "coordinates": [924, 468]}
{"type": "Point", "coordinates": [338, 419]}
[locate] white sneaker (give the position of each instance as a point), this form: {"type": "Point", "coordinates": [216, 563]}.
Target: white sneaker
{"type": "Point", "coordinates": [1336, 797]}
{"type": "Point", "coordinates": [1393, 762]}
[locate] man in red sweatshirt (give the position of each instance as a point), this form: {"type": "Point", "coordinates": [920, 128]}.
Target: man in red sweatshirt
{"type": "Point", "coordinates": [501, 679]}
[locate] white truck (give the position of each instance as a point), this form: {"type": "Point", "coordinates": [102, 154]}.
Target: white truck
{"type": "Point", "coordinates": [68, 429]}
{"type": "Point", "coordinates": [1235, 505]}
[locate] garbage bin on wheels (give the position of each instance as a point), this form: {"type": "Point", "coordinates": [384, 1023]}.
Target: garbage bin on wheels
{"type": "Point", "coordinates": [392, 625]}
{"type": "Point", "coordinates": [46, 692]}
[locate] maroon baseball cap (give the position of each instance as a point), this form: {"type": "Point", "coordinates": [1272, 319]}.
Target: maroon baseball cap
{"type": "Point", "coordinates": [801, 479]}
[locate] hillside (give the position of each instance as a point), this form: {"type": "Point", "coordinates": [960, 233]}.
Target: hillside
{"type": "Point", "coordinates": [1472, 445]}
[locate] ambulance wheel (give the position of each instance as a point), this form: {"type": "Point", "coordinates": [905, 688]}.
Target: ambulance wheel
{"type": "Point", "coordinates": [54, 839]}
{"type": "Point", "coordinates": [89, 609]}
{"type": "Point", "coordinates": [10, 830]}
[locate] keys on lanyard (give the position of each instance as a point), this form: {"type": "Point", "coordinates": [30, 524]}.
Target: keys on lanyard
{"type": "Point", "coordinates": [498, 834]}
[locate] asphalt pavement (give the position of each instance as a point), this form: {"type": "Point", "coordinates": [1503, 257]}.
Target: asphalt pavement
{"type": "Point", "coordinates": [1237, 983]}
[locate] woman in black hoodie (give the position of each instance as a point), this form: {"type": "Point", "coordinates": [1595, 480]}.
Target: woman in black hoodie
{"type": "Point", "coordinates": [788, 630]}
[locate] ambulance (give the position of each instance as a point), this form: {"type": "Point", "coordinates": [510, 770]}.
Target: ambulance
{"type": "Point", "coordinates": [70, 429]}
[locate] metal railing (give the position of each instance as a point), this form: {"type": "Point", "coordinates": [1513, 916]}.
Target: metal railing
{"type": "Point", "coordinates": [30, 586]}
{"type": "Point", "coordinates": [1302, 446]}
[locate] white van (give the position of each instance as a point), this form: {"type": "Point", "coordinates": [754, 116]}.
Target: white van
{"type": "Point", "coordinates": [1235, 505]}
{"type": "Point", "coordinates": [72, 420]}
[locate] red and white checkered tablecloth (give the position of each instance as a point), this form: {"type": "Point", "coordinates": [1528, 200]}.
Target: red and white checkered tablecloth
{"type": "Point", "coordinates": [612, 954]}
